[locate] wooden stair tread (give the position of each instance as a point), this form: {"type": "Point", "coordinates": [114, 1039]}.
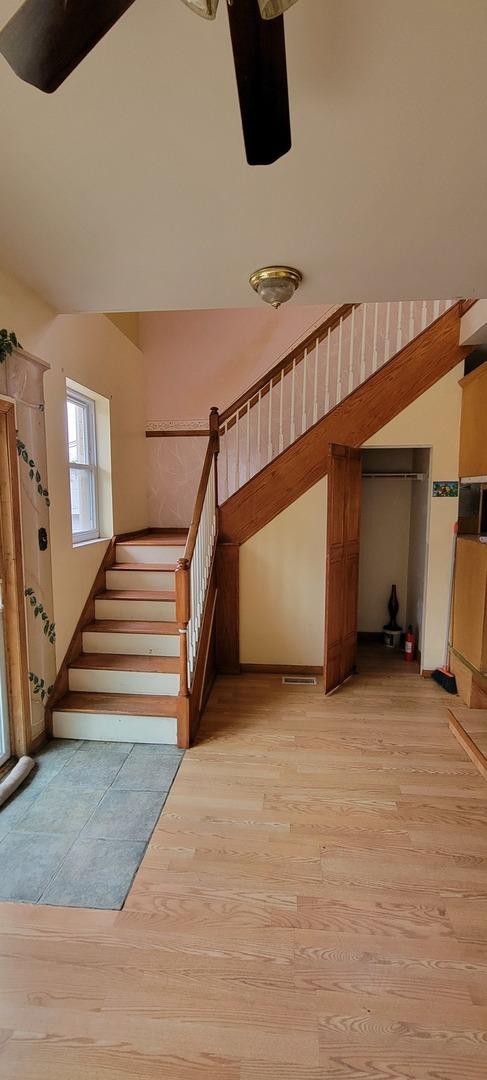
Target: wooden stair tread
{"type": "Point", "coordinates": [125, 704]}
{"type": "Point", "coordinates": [129, 626]}
{"type": "Point", "coordinates": [159, 539]}
{"type": "Point", "coordinates": [114, 662]}
{"type": "Point", "coordinates": [151, 567]}
{"type": "Point", "coordinates": [135, 594]}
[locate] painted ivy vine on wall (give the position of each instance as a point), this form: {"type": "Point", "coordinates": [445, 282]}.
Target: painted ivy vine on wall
{"type": "Point", "coordinates": [8, 342]}
{"type": "Point", "coordinates": [49, 627]}
{"type": "Point", "coordinates": [34, 473]}
{"type": "Point", "coordinates": [38, 686]}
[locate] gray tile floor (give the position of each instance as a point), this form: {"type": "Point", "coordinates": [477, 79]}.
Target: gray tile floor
{"type": "Point", "coordinates": [74, 834]}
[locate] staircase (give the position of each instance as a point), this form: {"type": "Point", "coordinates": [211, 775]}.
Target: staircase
{"type": "Point", "coordinates": [124, 685]}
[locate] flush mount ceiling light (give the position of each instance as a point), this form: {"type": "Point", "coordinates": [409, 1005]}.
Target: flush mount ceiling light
{"type": "Point", "coordinates": [276, 284]}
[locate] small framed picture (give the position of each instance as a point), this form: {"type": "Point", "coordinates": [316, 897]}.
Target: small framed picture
{"type": "Point", "coordinates": [445, 489]}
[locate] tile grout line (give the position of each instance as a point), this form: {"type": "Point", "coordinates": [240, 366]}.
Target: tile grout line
{"type": "Point", "coordinates": [58, 871]}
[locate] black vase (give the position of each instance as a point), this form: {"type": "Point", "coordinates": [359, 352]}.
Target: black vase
{"type": "Point", "coordinates": [393, 607]}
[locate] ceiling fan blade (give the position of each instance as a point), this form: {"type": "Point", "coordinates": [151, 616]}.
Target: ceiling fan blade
{"type": "Point", "coordinates": [46, 39]}
{"type": "Point", "coordinates": [259, 54]}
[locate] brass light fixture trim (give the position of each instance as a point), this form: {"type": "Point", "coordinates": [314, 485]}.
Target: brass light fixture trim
{"type": "Point", "coordinates": [276, 284]}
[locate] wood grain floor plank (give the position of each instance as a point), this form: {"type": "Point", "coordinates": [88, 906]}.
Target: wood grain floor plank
{"type": "Point", "coordinates": [312, 905]}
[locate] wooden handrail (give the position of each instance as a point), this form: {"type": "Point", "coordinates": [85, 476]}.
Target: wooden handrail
{"type": "Point", "coordinates": [466, 305]}
{"type": "Point", "coordinates": [211, 451]}
{"type": "Point", "coordinates": [285, 364]}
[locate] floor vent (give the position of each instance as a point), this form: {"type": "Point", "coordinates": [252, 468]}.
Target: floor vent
{"type": "Point", "coordinates": [299, 680]}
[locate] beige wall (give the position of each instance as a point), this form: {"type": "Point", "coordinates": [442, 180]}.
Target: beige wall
{"type": "Point", "coordinates": [418, 543]}
{"type": "Point", "coordinates": [282, 575]}
{"type": "Point", "coordinates": [282, 567]}
{"type": "Point", "coordinates": [384, 550]}
{"type": "Point", "coordinates": [93, 352]}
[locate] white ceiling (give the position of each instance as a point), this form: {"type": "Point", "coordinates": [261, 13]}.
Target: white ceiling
{"type": "Point", "coordinates": [128, 188]}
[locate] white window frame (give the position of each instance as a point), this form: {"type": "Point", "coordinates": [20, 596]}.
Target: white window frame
{"type": "Point", "coordinates": [90, 467]}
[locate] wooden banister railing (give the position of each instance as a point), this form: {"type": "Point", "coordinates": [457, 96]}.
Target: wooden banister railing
{"type": "Point", "coordinates": [193, 572]}
{"type": "Point", "coordinates": [312, 379]}
{"type": "Point", "coordinates": [295, 355]}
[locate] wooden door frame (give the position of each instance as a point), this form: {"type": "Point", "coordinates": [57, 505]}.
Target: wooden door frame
{"type": "Point", "coordinates": [18, 689]}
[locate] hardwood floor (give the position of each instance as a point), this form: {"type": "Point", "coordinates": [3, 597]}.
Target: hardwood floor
{"type": "Point", "coordinates": [312, 906]}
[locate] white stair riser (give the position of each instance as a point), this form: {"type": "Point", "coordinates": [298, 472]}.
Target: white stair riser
{"type": "Point", "coordinates": [102, 681]}
{"type": "Point", "coordinates": [140, 580]}
{"type": "Point", "coordinates": [115, 727]}
{"type": "Point", "coordinates": [131, 644]}
{"type": "Point", "coordinates": [148, 553]}
{"type": "Point", "coordinates": [138, 610]}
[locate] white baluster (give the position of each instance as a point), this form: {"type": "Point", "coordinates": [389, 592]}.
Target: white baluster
{"type": "Point", "coordinates": [424, 314]}
{"type": "Point", "coordinates": [281, 406]}
{"type": "Point", "coordinates": [436, 309]}
{"type": "Point", "coordinates": [327, 372]}
{"type": "Point", "coordinates": [350, 358]}
{"type": "Point", "coordinates": [227, 489]}
{"type": "Point", "coordinates": [387, 338]}
{"type": "Point", "coordinates": [248, 439]}
{"type": "Point", "coordinates": [362, 349]}
{"type": "Point", "coordinates": [292, 432]}
{"type": "Point", "coordinates": [339, 361]}
{"type": "Point", "coordinates": [399, 327]}
{"type": "Point", "coordinates": [237, 452]}
{"type": "Point", "coordinates": [315, 385]}
{"type": "Point", "coordinates": [374, 347]}
{"type": "Point", "coordinates": [411, 320]}
{"type": "Point", "coordinates": [269, 430]}
{"type": "Point", "coordinates": [259, 400]}
{"type": "Point", "coordinates": [303, 401]}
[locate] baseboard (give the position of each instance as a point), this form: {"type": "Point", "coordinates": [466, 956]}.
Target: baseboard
{"type": "Point", "coordinates": [281, 669]}
{"type": "Point", "coordinates": [120, 537]}
{"type": "Point", "coordinates": [427, 673]}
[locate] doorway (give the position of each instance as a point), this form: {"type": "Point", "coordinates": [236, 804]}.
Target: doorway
{"type": "Point", "coordinates": [393, 549]}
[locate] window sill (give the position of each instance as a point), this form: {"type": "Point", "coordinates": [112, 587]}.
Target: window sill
{"type": "Point", "coordinates": [88, 543]}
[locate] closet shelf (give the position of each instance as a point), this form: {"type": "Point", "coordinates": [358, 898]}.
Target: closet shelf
{"type": "Point", "coordinates": [400, 475]}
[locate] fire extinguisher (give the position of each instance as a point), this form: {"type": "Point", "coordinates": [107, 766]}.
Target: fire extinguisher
{"type": "Point", "coordinates": [410, 645]}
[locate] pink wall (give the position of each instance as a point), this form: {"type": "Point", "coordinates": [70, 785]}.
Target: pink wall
{"type": "Point", "coordinates": [196, 359]}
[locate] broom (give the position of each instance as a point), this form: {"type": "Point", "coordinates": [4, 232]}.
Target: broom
{"type": "Point", "coordinates": [442, 675]}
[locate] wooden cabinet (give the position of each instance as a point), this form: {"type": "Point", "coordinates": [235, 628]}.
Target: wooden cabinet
{"type": "Point", "coordinates": [470, 602]}
{"type": "Point", "coordinates": [473, 431]}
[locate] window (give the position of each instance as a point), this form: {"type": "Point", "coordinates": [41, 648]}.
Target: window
{"type": "Point", "coordinates": [82, 466]}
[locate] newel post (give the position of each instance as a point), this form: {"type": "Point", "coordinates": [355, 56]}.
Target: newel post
{"type": "Point", "coordinates": [214, 426]}
{"type": "Point", "coordinates": [182, 584]}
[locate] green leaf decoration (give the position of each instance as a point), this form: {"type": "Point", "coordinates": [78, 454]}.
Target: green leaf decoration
{"type": "Point", "coordinates": [8, 342]}
{"type": "Point", "coordinates": [34, 473]}
{"type": "Point", "coordinates": [49, 628]}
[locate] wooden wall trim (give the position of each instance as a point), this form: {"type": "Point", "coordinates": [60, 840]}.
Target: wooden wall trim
{"type": "Point", "coordinates": [281, 669]}
{"type": "Point", "coordinates": [15, 628]}
{"type": "Point", "coordinates": [227, 629]}
{"type": "Point", "coordinates": [359, 416]}
{"type": "Point", "coordinates": [187, 433]}
{"type": "Point", "coordinates": [60, 687]}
